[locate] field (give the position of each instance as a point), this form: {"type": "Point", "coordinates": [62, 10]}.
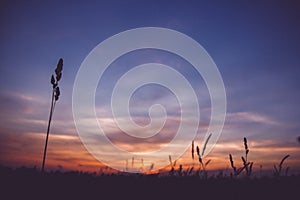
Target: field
{"type": "Point", "coordinates": [28, 183]}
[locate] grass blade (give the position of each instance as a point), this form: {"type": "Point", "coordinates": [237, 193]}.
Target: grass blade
{"type": "Point", "coordinates": [204, 147]}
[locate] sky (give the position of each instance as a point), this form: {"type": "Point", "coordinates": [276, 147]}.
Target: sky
{"type": "Point", "coordinates": [254, 44]}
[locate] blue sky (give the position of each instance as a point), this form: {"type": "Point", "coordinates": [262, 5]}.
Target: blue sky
{"type": "Point", "coordinates": [255, 44]}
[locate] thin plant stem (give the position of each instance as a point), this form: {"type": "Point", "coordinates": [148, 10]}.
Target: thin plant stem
{"type": "Point", "coordinates": [48, 130]}
{"type": "Point", "coordinates": [54, 98]}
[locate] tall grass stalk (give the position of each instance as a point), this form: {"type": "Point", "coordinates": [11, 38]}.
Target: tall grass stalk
{"type": "Point", "coordinates": [279, 169]}
{"type": "Point", "coordinates": [247, 166]}
{"type": "Point", "coordinates": [200, 156]}
{"type": "Point", "coordinates": [54, 99]}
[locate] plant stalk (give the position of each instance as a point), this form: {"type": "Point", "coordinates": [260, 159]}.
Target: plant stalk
{"type": "Point", "coordinates": [48, 130]}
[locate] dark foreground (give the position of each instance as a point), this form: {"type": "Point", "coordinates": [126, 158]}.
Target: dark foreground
{"type": "Point", "coordinates": [27, 183]}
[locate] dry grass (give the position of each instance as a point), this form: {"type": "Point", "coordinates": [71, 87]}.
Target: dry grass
{"type": "Point", "coordinates": [279, 169]}
{"type": "Point", "coordinates": [247, 166]}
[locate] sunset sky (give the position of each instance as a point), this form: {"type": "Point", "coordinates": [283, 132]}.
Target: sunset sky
{"type": "Point", "coordinates": [255, 45]}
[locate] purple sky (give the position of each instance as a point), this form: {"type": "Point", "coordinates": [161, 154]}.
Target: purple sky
{"type": "Point", "coordinates": [255, 44]}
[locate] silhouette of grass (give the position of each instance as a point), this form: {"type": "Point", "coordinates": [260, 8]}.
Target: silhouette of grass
{"type": "Point", "coordinates": [200, 156]}
{"type": "Point", "coordinates": [279, 169]}
{"type": "Point", "coordinates": [28, 183]}
{"type": "Point", "coordinates": [54, 99]}
{"type": "Point", "coordinates": [193, 150]}
{"type": "Point", "coordinates": [172, 165]}
{"type": "Point", "coordinates": [247, 166]}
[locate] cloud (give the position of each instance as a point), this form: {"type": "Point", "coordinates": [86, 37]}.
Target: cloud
{"type": "Point", "coordinates": [27, 149]}
{"type": "Point", "coordinates": [23, 103]}
{"type": "Point", "coordinates": [249, 117]}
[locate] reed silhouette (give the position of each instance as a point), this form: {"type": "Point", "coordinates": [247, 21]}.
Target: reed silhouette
{"type": "Point", "coordinates": [247, 166]}
{"type": "Point", "coordinates": [200, 157]}
{"type": "Point", "coordinates": [279, 168]}
{"type": "Point", "coordinates": [54, 99]}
